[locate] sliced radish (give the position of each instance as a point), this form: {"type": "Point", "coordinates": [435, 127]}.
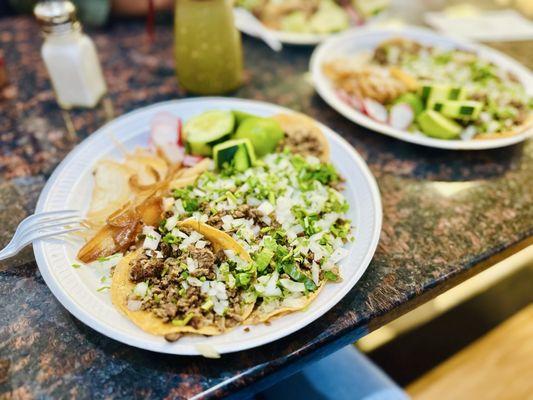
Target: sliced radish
{"type": "Point", "coordinates": [401, 116]}
{"type": "Point", "coordinates": [375, 110]}
{"type": "Point", "coordinates": [180, 132]}
{"type": "Point", "coordinates": [165, 129]}
{"type": "Point", "coordinates": [190, 160]}
{"type": "Point", "coordinates": [165, 136]}
{"type": "Point", "coordinates": [354, 15]}
{"type": "Point", "coordinates": [351, 100]}
{"type": "Point", "coordinates": [356, 102]}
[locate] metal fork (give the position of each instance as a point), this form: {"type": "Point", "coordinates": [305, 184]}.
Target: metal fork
{"type": "Point", "coordinates": [40, 226]}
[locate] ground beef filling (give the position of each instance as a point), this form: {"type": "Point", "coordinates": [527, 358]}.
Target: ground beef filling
{"type": "Point", "coordinates": [302, 142]}
{"type": "Point", "coordinates": [242, 211]}
{"type": "Point", "coordinates": [169, 300]}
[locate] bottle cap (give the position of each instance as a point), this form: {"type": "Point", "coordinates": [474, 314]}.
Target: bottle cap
{"type": "Point", "coordinates": [56, 16]}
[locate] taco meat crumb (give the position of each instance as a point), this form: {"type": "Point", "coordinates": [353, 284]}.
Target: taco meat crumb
{"type": "Point", "coordinates": [303, 142]}
{"type": "Point", "coordinates": [145, 268]}
{"type": "Point", "coordinates": [173, 337]}
{"type": "Point", "coordinates": [206, 262]}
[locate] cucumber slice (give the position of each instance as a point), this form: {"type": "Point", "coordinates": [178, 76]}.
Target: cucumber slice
{"type": "Point", "coordinates": [238, 154]}
{"type": "Point", "coordinates": [437, 125]}
{"type": "Point", "coordinates": [465, 109]}
{"type": "Point", "coordinates": [204, 131]}
{"type": "Point", "coordinates": [434, 93]}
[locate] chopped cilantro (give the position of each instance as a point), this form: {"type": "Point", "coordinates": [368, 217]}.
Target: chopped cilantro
{"type": "Point", "coordinates": [170, 239]}
{"type": "Point", "coordinates": [330, 276]}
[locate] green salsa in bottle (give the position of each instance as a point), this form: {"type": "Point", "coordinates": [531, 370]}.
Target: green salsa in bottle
{"type": "Point", "coordinates": [208, 46]}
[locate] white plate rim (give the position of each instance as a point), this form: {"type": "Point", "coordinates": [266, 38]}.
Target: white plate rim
{"type": "Point", "coordinates": [86, 318]}
{"type": "Point", "coordinates": [326, 92]}
{"type": "Point", "coordinates": [304, 39]}
{"type": "Point", "coordinates": [292, 38]}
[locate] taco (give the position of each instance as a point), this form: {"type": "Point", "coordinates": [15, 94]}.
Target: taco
{"type": "Point", "coordinates": [303, 136]}
{"type": "Point", "coordinates": [198, 282]}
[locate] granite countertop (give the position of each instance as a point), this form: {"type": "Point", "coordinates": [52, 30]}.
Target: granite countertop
{"type": "Point", "coordinates": [445, 215]}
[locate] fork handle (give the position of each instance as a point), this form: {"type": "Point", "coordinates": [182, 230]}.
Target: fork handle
{"type": "Point", "coordinates": [8, 251]}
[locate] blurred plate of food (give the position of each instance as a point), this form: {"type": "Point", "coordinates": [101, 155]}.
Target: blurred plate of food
{"type": "Point", "coordinates": [309, 22]}
{"type": "Point", "coordinates": [426, 88]}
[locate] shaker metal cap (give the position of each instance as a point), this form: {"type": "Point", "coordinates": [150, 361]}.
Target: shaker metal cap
{"type": "Point", "coordinates": [56, 16]}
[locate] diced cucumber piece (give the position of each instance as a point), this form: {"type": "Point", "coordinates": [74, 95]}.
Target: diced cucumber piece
{"type": "Point", "coordinates": [413, 100]}
{"type": "Point", "coordinates": [204, 131]}
{"type": "Point", "coordinates": [459, 109]}
{"type": "Point", "coordinates": [238, 154]}
{"type": "Point", "coordinates": [433, 93]}
{"type": "Point", "coordinates": [264, 133]}
{"type": "Point", "coordinates": [438, 126]}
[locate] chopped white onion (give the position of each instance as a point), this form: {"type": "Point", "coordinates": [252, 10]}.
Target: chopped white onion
{"type": "Point", "coordinates": [171, 222]}
{"type": "Point", "coordinates": [194, 281]}
{"type": "Point", "coordinates": [179, 234]}
{"type": "Point", "coordinates": [205, 287]}
{"type": "Point", "coordinates": [200, 244]}
{"type": "Point", "coordinates": [229, 253]}
{"type": "Point", "coordinates": [294, 302]}
{"type": "Point", "coordinates": [141, 289]}
{"type": "Point", "coordinates": [315, 272]}
{"type": "Point", "coordinates": [192, 265]}
{"type": "Point", "coordinates": [151, 241]}
{"type": "Point", "coordinates": [178, 207]}
{"type": "Point", "coordinates": [192, 239]}
{"type": "Point", "coordinates": [134, 305]}
{"type": "Point", "coordinates": [338, 255]}
{"type": "Point", "coordinates": [292, 286]}
{"type": "Point", "coordinates": [265, 208]}
{"type": "Point", "coordinates": [207, 350]}
{"type": "Point", "coordinates": [168, 202]}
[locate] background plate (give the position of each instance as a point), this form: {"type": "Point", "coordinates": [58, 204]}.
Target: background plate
{"type": "Point", "coordinates": [366, 39]}
{"type": "Point", "coordinates": [70, 187]}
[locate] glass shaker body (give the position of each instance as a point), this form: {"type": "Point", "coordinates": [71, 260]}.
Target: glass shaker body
{"type": "Point", "coordinates": [74, 69]}
{"type": "Point", "coordinates": [208, 47]}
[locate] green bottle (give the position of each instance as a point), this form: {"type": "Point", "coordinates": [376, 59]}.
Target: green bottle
{"type": "Point", "coordinates": [208, 47]}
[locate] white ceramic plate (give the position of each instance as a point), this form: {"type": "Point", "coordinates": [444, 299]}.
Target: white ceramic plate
{"type": "Point", "coordinates": [367, 39]}
{"type": "Point", "coordinates": [70, 187]}
{"type": "Point", "coordinates": [295, 38]}
{"type": "Point", "coordinates": [302, 39]}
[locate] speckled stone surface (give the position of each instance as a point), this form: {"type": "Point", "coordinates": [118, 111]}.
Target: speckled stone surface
{"type": "Point", "coordinates": [444, 212]}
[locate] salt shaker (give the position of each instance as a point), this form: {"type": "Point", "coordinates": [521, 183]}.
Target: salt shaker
{"type": "Point", "coordinates": [70, 56]}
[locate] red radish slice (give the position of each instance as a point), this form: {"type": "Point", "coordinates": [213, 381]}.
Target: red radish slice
{"type": "Point", "coordinates": [351, 100]}
{"type": "Point", "coordinates": [401, 116]}
{"type": "Point", "coordinates": [180, 132]}
{"type": "Point", "coordinates": [165, 135]}
{"type": "Point", "coordinates": [164, 129]}
{"type": "Point", "coordinates": [375, 110]}
{"type": "Point", "coordinates": [354, 15]}
{"type": "Point", "coordinates": [357, 103]}
{"type": "Point", "coordinates": [190, 160]}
